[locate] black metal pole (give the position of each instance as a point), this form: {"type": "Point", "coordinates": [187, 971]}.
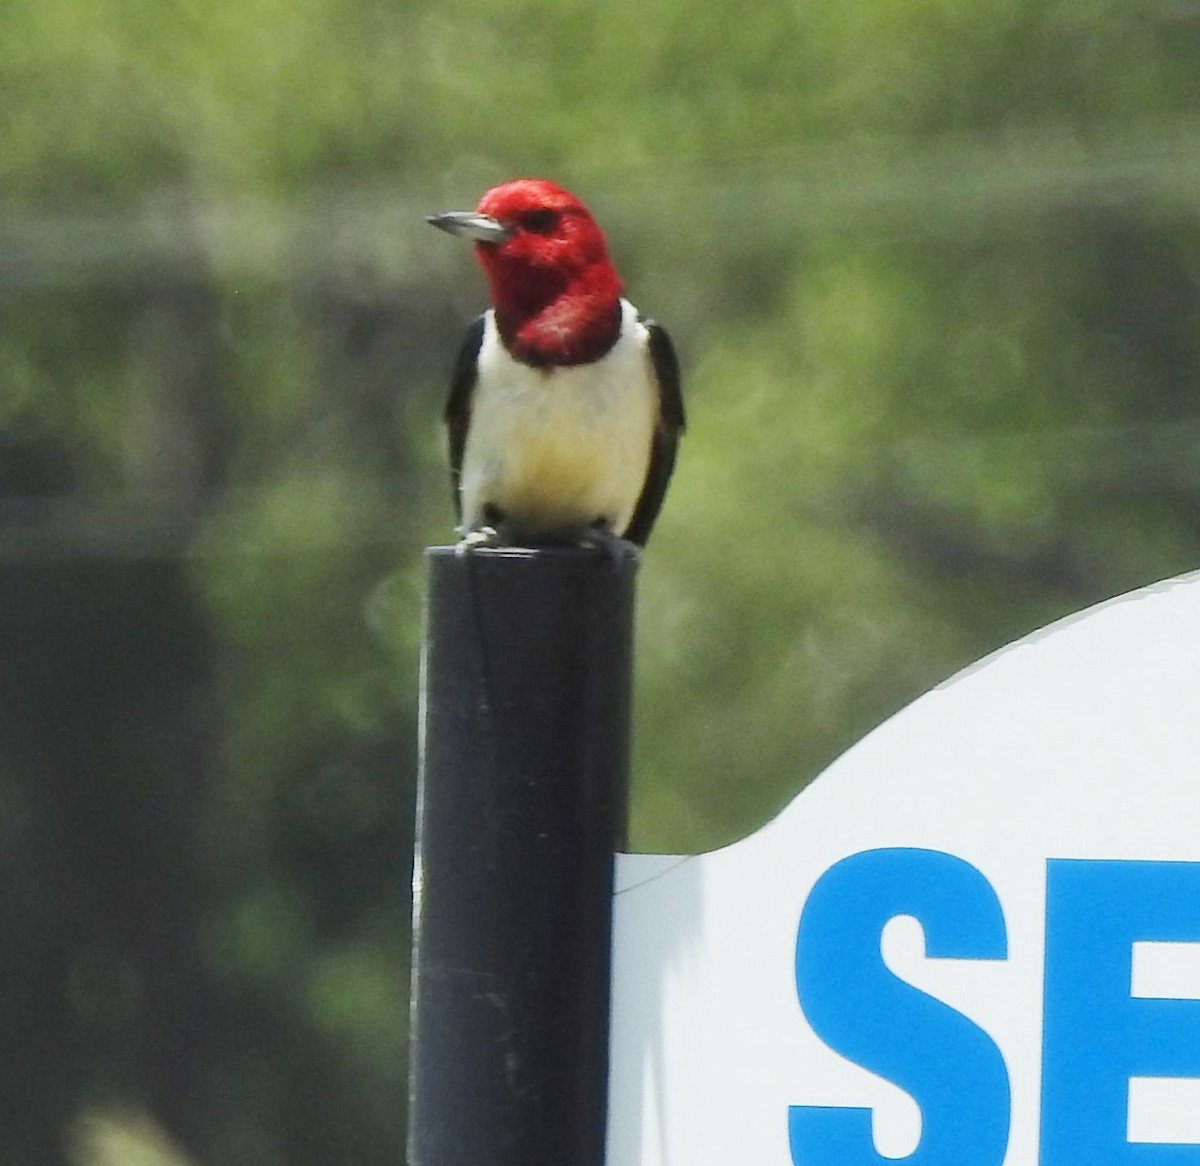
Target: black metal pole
{"type": "Point", "coordinates": [524, 773]}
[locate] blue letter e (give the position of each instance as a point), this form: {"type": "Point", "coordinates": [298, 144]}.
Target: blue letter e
{"type": "Point", "coordinates": [947, 1064]}
{"type": "Point", "coordinates": [1096, 1033]}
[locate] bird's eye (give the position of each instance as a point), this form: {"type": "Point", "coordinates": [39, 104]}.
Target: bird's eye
{"type": "Point", "coordinates": [540, 221]}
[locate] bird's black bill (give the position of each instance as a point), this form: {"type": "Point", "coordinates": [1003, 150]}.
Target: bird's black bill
{"type": "Point", "coordinates": [480, 228]}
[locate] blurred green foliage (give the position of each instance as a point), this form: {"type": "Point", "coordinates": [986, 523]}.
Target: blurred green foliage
{"type": "Point", "coordinates": [933, 269]}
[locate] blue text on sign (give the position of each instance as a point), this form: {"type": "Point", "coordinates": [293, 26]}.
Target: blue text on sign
{"type": "Point", "coordinates": [1096, 1034]}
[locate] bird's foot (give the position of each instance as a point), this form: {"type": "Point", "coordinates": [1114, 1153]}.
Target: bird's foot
{"type": "Point", "coordinates": [482, 536]}
{"type": "Point", "coordinates": [616, 549]}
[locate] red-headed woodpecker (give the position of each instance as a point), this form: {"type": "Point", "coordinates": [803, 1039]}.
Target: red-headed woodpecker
{"type": "Point", "coordinates": [565, 407]}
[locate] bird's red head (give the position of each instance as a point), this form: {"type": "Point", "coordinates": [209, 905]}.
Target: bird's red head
{"type": "Point", "coordinates": [554, 289]}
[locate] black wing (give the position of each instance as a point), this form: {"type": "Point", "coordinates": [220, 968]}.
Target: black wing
{"type": "Point", "coordinates": [666, 434]}
{"type": "Point", "coordinates": [458, 405]}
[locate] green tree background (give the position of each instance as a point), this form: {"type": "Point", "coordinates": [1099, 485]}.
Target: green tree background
{"type": "Point", "coordinates": [934, 272]}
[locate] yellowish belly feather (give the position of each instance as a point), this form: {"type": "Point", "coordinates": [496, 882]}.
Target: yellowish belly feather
{"type": "Point", "coordinates": [555, 451]}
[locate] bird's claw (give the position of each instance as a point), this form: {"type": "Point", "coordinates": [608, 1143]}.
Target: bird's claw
{"type": "Point", "coordinates": [483, 536]}
{"type": "Point", "coordinates": [612, 546]}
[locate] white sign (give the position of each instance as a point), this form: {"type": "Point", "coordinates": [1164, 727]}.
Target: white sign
{"type": "Point", "coordinates": [973, 941]}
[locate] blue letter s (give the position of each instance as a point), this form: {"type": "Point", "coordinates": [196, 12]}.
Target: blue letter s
{"type": "Point", "coordinates": [950, 1066]}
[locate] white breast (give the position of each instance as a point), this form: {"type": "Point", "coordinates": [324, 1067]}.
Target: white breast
{"type": "Point", "coordinates": [557, 449]}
